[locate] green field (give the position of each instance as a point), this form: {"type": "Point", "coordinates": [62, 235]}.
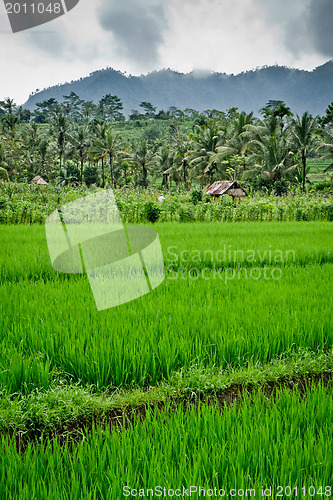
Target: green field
{"type": "Point", "coordinates": [317, 170]}
{"type": "Point", "coordinates": [246, 305]}
{"type": "Point", "coordinates": [285, 444]}
{"type": "Point", "coordinates": [318, 165]}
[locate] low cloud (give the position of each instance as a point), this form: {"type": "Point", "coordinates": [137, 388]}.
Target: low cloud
{"type": "Point", "coordinates": [137, 27]}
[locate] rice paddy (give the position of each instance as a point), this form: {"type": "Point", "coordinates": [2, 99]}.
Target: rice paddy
{"type": "Point", "coordinates": [278, 446]}
{"type": "Point", "coordinates": [236, 297]}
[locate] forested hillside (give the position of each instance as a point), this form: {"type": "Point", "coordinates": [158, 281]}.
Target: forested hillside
{"type": "Point", "coordinates": [301, 90]}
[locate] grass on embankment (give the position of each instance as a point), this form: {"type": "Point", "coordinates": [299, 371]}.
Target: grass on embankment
{"type": "Point", "coordinates": [66, 409]}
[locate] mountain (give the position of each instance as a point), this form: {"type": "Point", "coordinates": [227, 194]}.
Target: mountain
{"type": "Point", "coordinates": [301, 90]}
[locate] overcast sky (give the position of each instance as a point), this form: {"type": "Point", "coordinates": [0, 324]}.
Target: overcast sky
{"type": "Point", "coordinates": [138, 36]}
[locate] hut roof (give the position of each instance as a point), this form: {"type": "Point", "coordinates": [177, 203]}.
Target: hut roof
{"type": "Point", "coordinates": [38, 180]}
{"type": "Point", "coordinates": [232, 188]}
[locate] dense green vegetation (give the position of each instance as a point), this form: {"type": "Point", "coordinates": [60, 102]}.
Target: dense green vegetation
{"type": "Point", "coordinates": [78, 142]}
{"type": "Point", "coordinates": [93, 402]}
{"type": "Point", "coordinates": [29, 204]}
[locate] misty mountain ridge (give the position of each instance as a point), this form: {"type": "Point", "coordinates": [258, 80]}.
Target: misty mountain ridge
{"type": "Point", "coordinates": [301, 90]}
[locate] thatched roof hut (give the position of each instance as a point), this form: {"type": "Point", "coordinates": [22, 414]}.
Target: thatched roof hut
{"type": "Point", "coordinates": [231, 188]}
{"type": "Point", "coordinates": [38, 180]}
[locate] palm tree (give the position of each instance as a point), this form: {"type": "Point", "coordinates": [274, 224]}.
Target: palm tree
{"type": "Point", "coordinates": [303, 131]}
{"type": "Point", "coordinates": [31, 141]}
{"type": "Point", "coordinates": [3, 160]}
{"type": "Point", "coordinates": [68, 176]}
{"type": "Point", "coordinates": [276, 112]}
{"type": "Point", "coordinates": [237, 144]}
{"type": "Point", "coordinates": [269, 151]}
{"type": "Point", "coordinates": [89, 108]}
{"type": "Point", "coordinates": [179, 167]}
{"type": "Point", "coordinates": [96, 154]}
{"type": "Point", "coordinates": [10, 118]}
{"type": "Point", "coordinates": [164, 160]}
{"type": "Point", "coordinates": [43, 150]}
{"type": "Point", "coordinates": [205, 154]}
{"type": "Point", "coordinates": [60, 129]}
{"type": "Point", "coordinates": [114, 147]}
{"type": "Point", "coordinates": [273, 156]}
{"type": "Point", "coordinates": [282, 111]}
{"type": "Point", "coordinates": [142, 158]}
{"type": "Point", "coordinates": [326, 145]}
{"type": "Point", "coordinates": [109, 143]}
{"type": "Point", "coordinates": [8, 105]}
{"type": "Point", "coordinates": [80, 144]}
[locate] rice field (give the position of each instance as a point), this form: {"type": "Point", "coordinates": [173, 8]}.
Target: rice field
{"type": "Point", "coordinates": [282, 447]}
{"type": "Point", "coordinates": [225, 300]}
{"type": "Point", "coordinates": [234, 296]}
{"type": "Point", "coordinates": [317, 169]}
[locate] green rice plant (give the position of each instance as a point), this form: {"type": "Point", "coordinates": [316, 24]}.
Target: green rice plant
{"type": "Point", "coordinates": [49, 322]}
{"type": "Point", "coordinates": [255, 244]}
{"type": "Point", "coordinates": [241, 303]}
{"type": "Point", "coordinates": [281, 443]}
{"type": "Point", "coordinates": [24, 253]}
{"type": "Point", "coordinates": [226, 316]}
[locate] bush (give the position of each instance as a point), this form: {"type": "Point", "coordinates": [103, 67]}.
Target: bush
{"type": "Point", "coordinates": [186, 214]}
{"type": "Point", "coordinates": [196, 196]}
{"type": "Point", "coordinates": [263, 184]}
{"type": "Point", "coordinates": [280, 188]}
{"type": "Point", "coordinates": [90, 175]}
{"type": "Point", "coordinates": [322, 185]}
{"type": "Point", "coordinates": [327, 211]}
{"type": "Point", "coordinates": [152, 211]}
{"type": "Point", "coordinates": [73, 172]}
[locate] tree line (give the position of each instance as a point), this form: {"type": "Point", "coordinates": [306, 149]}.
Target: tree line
{"type": "Point", "coordinates": [78, 141]}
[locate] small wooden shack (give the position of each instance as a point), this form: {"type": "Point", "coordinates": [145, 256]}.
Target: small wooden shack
{"type": "Point", "coordinates": [38, 180]}
{"type": "Point", "coordinates": [231, 188]}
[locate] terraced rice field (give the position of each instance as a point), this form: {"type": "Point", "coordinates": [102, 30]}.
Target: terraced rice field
{"type": "Point", "coordinates": [136, 395]}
